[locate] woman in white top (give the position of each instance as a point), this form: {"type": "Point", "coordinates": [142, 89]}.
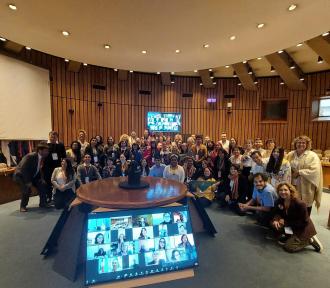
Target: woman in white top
{"type": "Point", "coordinates": [174, 171]}
{"type": "Point", "coordinates": [236, 157]}
{"type": "Point", "coordinates": [278, 168]}
{"type": "Point", "coordinates": [306, 172]}
{"type": "Point", "coordinates": [63, 180]}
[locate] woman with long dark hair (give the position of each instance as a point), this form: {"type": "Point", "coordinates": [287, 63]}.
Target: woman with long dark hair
{"type": "Point", "coordinates": [278, 168]}
{"type": "Point", "coordinates": [63, 180]}
{"type": "Point", "coordinates": [74, 154]}
{"type": "Point", "coordinates": [222, 164]}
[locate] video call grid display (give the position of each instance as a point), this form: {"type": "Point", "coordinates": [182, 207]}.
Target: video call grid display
{"type": "Point", "coordinates": [127, 244]}
{"type": "Point", "coordinates": [164, 122]}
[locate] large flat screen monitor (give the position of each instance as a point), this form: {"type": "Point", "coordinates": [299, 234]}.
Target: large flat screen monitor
{"type": "Point", "coordinates": [127, 244]}
{"type": "Point", "coordinates": [164, 122]}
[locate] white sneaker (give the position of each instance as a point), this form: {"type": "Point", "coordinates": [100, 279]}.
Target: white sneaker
{"type": "Point", "coordinates": [315, 242]}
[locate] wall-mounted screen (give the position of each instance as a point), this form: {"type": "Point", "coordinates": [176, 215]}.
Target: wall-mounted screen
{"type": "Point", "coordinates": [128, 244]}
{"type": "Point", "coordinates": [164, 122]}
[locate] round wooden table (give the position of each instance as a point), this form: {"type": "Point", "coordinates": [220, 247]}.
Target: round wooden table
{"type": "Point", "coordinates": [107, 193]}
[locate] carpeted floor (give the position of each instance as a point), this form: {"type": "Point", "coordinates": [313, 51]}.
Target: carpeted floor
{"type": "Point", "coordinates": [238, 257]}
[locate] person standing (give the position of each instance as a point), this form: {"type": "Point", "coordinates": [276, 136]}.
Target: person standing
{"type": "Point", "coordinates": [199, 151]}
{"type": "Point", "coordinates": [29, 173]}
{"type": "Point", "coordinates": [82, 135]}
{"type": "Point", "coordinates": [224, 141]}
{"type": "Point", "coordinates": [53, 160]}
{"type": "Point", "coordinates": [306, 172]}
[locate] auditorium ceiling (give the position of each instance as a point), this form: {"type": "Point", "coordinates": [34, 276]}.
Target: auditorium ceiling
{"type": "Point", "coordinates": [170, 36]}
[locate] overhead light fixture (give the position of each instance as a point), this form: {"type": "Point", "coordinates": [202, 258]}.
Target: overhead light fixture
{"type": "Point", "coordinates": [255, 82]}
{"type": "Point", "coordinates": [280, 51]}
{"type": "Point", "coordinates": [214, 83]}
{"type": "Point", "coordinates": [234, 74]}
{"type": "Point", "coordinates": [227, 66]}
{"type": "Point", "coordinates": [172, 73]}
{"type": "Point", "coordinates": [200, 84]}
{"type": "Point", "coordinates": [12, 7]}
{"type": "Point", "coordinates": [319, 60]}
{"type": "Point", "coordinates": [292, 66]}
{"type": "Point", "coordinates": [158, 73]}
{"type": "Point", "coordinates": [302, 79]}
{"type": "Point", "coordinates": [325, 34]}
{"type": "Point", "coordinates": [259, 58]}
{"type": "Point", "coordinates": [210, 70]}
{"type": "Point", "coordinates": [260, 25]}
{"type": "Point", "coordinates": [292, 7]}
{"type": "Point", "coordinates": [177, 51]}
{"type": "Point", "coordinates": [211, 75]}
{"type": "Point", "coordinates": [172, 81]}
{"type": "Point", "coordinates": [66, 60]}
{"type": "Point", "coordinates": [85, 64]}
{"type": "Point", "coordinates": [195, 71]}
{"type": "Point", "coordinates": [115, 69]}
{"type": "Point", "coordinates": [206, 45]}
{"type": "Point", "coordinates": [250, 72]}
{"type": "Point", "coordinates": [65, 33]}
{"type": "Point", "coordinates": [272, 69]}
{"type": "Point", "coordinates": [232, 37]}
{"type": "Point", "coordinates": [239, 84]}
{"type": "Point", "coordinates": [244, 62]}
{"type": "Point", "coordinates": [282, 83]}
{"type": "Point", "coordinates": [144, 52]}
{"type": "Point", "coordinates": [131, 71]}
{"type": "Point", "coordinates": [107, 46]}
{"type": "Point", "coordinates": [299, 45]}
{"type": "Point", "coordinates": [3, 39]}
{"type": "Point", "coordinates": [27, 48]}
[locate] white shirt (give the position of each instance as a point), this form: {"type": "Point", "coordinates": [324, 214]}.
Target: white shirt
{"type": "Point", "coordinates": [259, 168]}
{"type": "Point", "coordinates": [225, 145]}
{"type": "Point", "coordinates": [174, 174]}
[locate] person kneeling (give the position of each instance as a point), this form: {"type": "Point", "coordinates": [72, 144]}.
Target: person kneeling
{"type": "Point", "coordinates": [234, 190]}
{"type": "Point", "coordinates": [63, 180]}
{"type": "Point", "coordinates": [292, 220]}
{"type": "Point", "coordinates": [263, 199]}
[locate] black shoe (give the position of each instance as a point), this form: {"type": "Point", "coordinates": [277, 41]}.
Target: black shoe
{"type": "Point", "coordinates": [281, 240]}
{"type": "Point", "coordinates": [44, 206]}
{"type": "Point", "coordinates": [315, 242]}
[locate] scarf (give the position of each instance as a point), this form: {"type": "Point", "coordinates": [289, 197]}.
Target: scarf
{"type": "Point", "coordinates": [234, 191]}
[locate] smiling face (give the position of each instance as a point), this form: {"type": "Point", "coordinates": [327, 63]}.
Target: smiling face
{"type": "Point", "coordinates": [276, 154]}
{"type": "Point", "coordinates": [63, 164]}
{"type": "Point", "coordinates": [207, 172]}
{"type": "Point", "coordinates": [87, 159]}
{"type": "Point", "coordinates": [236, 152]}
{"type": "Point", "coordinates": [301, 145]}
{"type": "Point", "coordinates": [258, 143]}
{"type": "Point", "coordinates": [257, 158]}
{"type": "Point", "coordinates": [223, 137]}
{"type": "Point", "coordinates": [284, 192]}
{"type": "Point", "coordinates": [99, 239]}
{"type": "Point", "coordinates": [259, 183]}
{"type": "Point", "coordinates": [233, 171]}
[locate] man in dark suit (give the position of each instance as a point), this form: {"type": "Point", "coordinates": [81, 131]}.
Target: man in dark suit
{"type": "Point", "coordinates": [29, 173]}
{"type": "Point", "coordinates": [53, 160]}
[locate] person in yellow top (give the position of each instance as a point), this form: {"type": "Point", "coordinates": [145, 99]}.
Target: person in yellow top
{"type": "Point", "coordinates": [206, 197]}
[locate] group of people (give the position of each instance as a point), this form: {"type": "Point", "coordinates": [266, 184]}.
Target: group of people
{"type": "Point", "coordinates": [279, 187]}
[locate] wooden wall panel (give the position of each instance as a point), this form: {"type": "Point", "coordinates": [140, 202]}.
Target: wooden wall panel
{"type": "Point", "coordinates": [124, 110]}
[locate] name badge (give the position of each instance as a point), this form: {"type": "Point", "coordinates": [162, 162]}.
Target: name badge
{"type": "Point", "coordinates": [54, 156]}
{"type": "Point", "coordinates": [96, 159]}
{"type": "Point", "coordinates": [86, 179]}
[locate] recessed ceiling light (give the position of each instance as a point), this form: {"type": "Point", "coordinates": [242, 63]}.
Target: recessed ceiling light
{"type": "Point", "coordinates": [299, 45]}
{"type": "Point", "coordinates": [85, 64]}
{"type": "Point", "coordinates": [177, 51]}
{"type": "Point", "coordinates": [239, 84]}
{"type": "Point", "coordinates": [107, 46]}
{"type": "Point", "coordinates": [158, 73]}
{"type": "Point", "coordinates": [292, 67]}
{"type": "Point", "coordinates": [280, 51]}
{"type": "Point", "coordinates": [12, 6]}
{"type": "Point", "coordinates": [206, 45]}
{"type": "Point", "coordinates": [172, 73]}
{"type": "Point", "coordinates": [131, 71]}
{"type": "Point", "coordinates": [319, 60]}
{"type": "Point", "coordinates": [115, 69]}
{"type": "Point", "coordinates": [210, 70]}
{"type": "Point", "coordinates": [211, 77]}
{"type": "Point", "coordinates": [195, 71]}
{"type": "Point", "coordinates": [27, 48]}
{"type": "Point", "coordinates": [227, 66]}
{"type": "Point", "coordinates": [325, 34]}
{"type": "Point", "coordinates": [232, 37]}
{"type": "Point", "coordinates": [260, 25]}
{"type": "Point", "coordinates": [302, 79]}
{"type": "Point", "coordinates": [255, 82]}
{"type": "Point", "coordinates": [250, 72]}
{"type": "Point", "coordinates": [281, 83]}
{"type": "Point", "coordinates": [244, 61]}
{"type": "Point", "coordinates": [200, 84]}
{"type": "Point", "coordinates": [3, 39]}
{"type": "Point", "coordinates": [144, 52]}
{"type": "Point", "coordinates": [65, 33]}
{"type": "Point", "coordinates": [66, 60]}
{"type": "Point", "coordinates": [292, 7]}
{"type": "Point", "coordinates": [172, 81]}
{"type": "Point", "coordinates": [272, 69]}
{"type": "Point", "coordinates": [214, 83]}
{"type": "Point", "coordinates": [259, 58]}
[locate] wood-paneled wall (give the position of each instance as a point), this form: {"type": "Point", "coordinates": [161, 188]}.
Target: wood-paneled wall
{"type": "Point", "coordinates": [124, 110]}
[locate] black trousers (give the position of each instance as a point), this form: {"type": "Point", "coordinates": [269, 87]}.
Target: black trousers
{"type": "Point", "coordinates": [37, 182]}
{"type": "Point", "coordinates": [63, 198]}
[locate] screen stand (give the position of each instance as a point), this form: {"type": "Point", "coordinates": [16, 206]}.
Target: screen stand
{"type": "Point", "coordinates": [154, 279]}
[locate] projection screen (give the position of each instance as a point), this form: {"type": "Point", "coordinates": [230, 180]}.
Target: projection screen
{"type": "Point", "coordinates": [25, 112]}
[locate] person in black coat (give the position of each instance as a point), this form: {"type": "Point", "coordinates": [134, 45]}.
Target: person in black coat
{"type": "Point", "coordinates": [96, 152]}
{"type": "Point", "coordinates": [233, 190]}
{"type": "Point", "coordinates": [53, 160]}
{"type": "Point", "coordinates": [221, 165]}
{"type": "Point", "coordinates": [29, 173]}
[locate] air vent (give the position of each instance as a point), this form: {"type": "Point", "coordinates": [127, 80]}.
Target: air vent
{"type": "Point", "coordinates": [99, 87]}
{"type": "Point", "coordinates": [187, 95]}
{"type": "Point", "coordinates": [144, 92]}
{"type": "Point", "coordinates": [229, 96]}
